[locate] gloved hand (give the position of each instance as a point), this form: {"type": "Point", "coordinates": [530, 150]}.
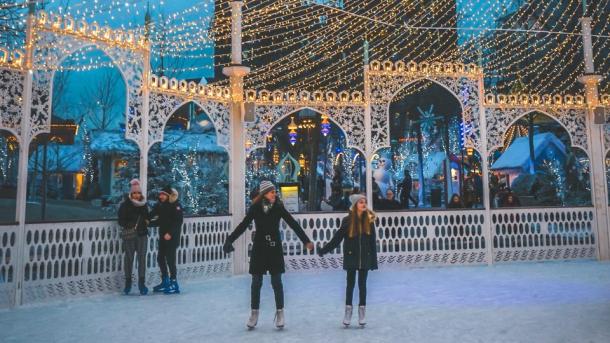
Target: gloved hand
{"type": "Point", "coordinates": [227, 248]}
{"type": "Point", "coordinates": [320, 253]}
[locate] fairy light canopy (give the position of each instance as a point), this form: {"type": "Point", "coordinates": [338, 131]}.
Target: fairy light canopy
{"type": "Point", "coordinates": [534, 47]}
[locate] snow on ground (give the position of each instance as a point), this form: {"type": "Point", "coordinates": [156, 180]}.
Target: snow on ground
{"type": "Point", "coordinates": [535, 302]}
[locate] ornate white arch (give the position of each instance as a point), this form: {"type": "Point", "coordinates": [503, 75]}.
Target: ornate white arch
{"type": "Point", "coordinates": [48, 55]}
{"type": "Point", "coordinates": [349, 119]}
{"type": "Point", "coordinates": [385, 86]}
{"type": "Point", "coordinates": [500, 119]}
{"type": "Point", "coordinates": [163, 105]}
{"type": "Point", "coordinates": [11, 91]}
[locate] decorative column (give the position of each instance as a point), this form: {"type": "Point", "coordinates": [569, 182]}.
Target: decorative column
{"type": "Point", "coordinates": [237, 161]}
{"type": "Point", "coordinates": [595, 134]}
{"type": "Point", "coordinates": [24, 145]}
{"type": "Point", "coordinates": [144, 133]}
{"type": "Point", "coordinates": [484, 153]}
{"type": "Point", "coordinates": [368, 143]}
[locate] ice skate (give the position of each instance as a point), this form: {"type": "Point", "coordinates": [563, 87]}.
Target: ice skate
{"type": "Point", "coordinates": [253, 320]}
{"type": "Point", "coordinates": [279, 319]}
{"type": "Point", "coordinates": [361, 316]}
{"type": "Point", "coordinates": [347, 318]}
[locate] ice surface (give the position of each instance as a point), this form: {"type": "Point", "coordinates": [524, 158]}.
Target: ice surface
{"type": "Point", "coordinates": [533, 302]}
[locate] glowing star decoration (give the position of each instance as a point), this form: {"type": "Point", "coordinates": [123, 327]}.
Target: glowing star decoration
{"type": "Point", "coordinates": [325, 126]}
{"type": "Point", "coordinates": [292, 132]}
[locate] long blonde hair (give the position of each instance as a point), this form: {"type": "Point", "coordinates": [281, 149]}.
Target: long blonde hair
{"type": "Point", "coordinates": [359, 226]}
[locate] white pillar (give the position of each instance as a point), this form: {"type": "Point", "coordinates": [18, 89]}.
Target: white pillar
{"type": "Point", "coordinates": [144, 133]}
{"type": "Point", "coordinates": [487, 228]}
{"type": "Point", "coordinates": [237, 159]}
{"type": "Point", "coordinates": [24, 145]}
{"type": "Point", "coordinates": [236, 47]}
{"type": "Point", "coordinates": [595, 135]}
{"type": "Point", "coordinates": [368, 138]}
{"type": "Point", "coordinates": [587, 45]}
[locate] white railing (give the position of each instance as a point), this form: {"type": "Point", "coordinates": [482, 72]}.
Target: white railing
{"type": "Point", "coordinates": [80, 258]}
{"type": "Point", "coordinates": [452, 237]}
{"type": "Point", "coordinates": [543, 234]}
{"type": "Point", "coordinates": [73, 259]}
{"type": "Point", "coordinates": [8, 240]}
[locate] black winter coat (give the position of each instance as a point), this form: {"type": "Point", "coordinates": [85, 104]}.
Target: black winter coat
{"type": "Point", "coordinates": [267, 253]}
{"type": "Point", "coordinates": [131, 216]}
{"type": "Point", "coordinates": [168, 217]}
{"type": "Point", "coordinates": [359, 252]}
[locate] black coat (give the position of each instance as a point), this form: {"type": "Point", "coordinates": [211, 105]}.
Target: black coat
{"type": "Point", "coordinates": [131, 216]}
{"type": "Point", "coordinates": [168, 217]}
{"type": "Point", "coordinates": [267, 253]}
{"type": "Point", "coordinates": [359, 252]}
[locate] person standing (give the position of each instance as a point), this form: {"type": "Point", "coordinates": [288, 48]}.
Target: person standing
{"type": "Point", "coordinates": [357, 232]}
{"type": "Point", "coordinates": [167, 215]}
{"type": "Point", "coordinates": [405, 188]}
{"type": "Point", "coordinates": [133, 218]}
{"type": "Point", "coordinates": [267, 255]}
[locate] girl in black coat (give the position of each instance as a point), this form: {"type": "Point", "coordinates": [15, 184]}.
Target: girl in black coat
{"type": "Point", "coordinates": [357, 232]}
{"type": "Point", "coordinates": [267, 254]}
{"type": "Point", "coordinates": [167, 215]}
{"type": "Point", "coordinates": [133, 218]}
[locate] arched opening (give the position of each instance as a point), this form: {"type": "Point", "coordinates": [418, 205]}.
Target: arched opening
{"type": "Point", "coordinates": [190, 160]}
{"type": "Point", "coordinates": [9, 160]}
{"type": "Point", "coordinates": [427, 161]}
{"type": "Point", "coordinates": [80, 169]}
{"type": "Point", "coordinates": [307, 157]}
{"type": "Point", "coordinates": [537, 166]}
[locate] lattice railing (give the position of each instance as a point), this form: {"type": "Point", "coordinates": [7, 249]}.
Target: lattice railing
{"type": "Point", "coordinates": [543, 234]}
{"type": "Point", "coordinates": [409, 238]}
{"type": "Point", "coordinates": [8, 252]}
{"type": "Point", "coordinates": [72, 259]}
{"type": "Point", "coordinates": [453, 237]}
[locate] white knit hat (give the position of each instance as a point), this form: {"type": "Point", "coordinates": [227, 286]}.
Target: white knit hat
{"type": "Point", "coordinates": [265, 187]}
{"type": "Point", "coordinates": [354, 198]}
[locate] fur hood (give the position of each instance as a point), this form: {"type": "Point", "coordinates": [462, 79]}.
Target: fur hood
{"type": "Point", "coordinates": [174, 196]}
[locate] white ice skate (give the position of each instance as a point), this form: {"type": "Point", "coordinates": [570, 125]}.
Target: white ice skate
{"type": "Point", "coordinates": [279, 319]}
{"type": "Point", "coordinates": [361, 313]}
{"type": "Point", "coordinates": [253, 320]}
{"type": "Point", "coordinates": [347, 318]}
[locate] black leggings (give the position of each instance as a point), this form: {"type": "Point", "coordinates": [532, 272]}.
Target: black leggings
{"type": "Point", "coordinates": [166, 257]}
{"type": "Point", "coordinates": [351, 282]}
{"type": "Point", "coordinates": [278, 290]}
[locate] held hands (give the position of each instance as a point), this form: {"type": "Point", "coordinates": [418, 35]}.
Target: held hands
{"type": "Point", "coordinates": [309, 246]}
{"type": "Point", "coordinates": [227, 248]}
{"type": "Point", "coordinates": [167, 237]}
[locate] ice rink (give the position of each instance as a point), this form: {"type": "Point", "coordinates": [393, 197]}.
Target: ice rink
{"type": "Point", "coordinates": [533, 302]}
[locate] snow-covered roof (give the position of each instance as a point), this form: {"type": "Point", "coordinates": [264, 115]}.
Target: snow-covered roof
{"type": "Point", "coordinates": [114, 142]}
{"type": "Point", "coordinates": [517, 155]}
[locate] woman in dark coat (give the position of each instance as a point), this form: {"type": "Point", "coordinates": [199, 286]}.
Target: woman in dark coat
{"type": "Point", "coordinates": [133, 218]}
{"type": "Point", "coordinates": [267, 254]}
{"type": "Point", "coordinates": [357, 232]}
{"type": "Point", "coordinates": [167, 215]}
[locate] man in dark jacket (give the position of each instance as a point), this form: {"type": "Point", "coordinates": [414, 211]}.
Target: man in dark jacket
{"type": "Point", "coordinates": [389, 203]}
{"type": "Point", "coordinates": [167, 215]}
{"type": "Point", "coordinates": [405, 188]}
{"type": "Point", "coordinates": [133, 218]}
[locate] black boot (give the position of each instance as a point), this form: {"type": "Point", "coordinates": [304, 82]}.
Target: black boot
{"type": "Point", "coordinates": [127, 288]}
{"type": "Point", "coordinates": [142, 286]}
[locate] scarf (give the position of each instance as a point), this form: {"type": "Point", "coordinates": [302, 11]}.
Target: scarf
{"type": "Point", "coordinates": [137, 203]}
{"type": "Point", "coordinates": [267, 206]}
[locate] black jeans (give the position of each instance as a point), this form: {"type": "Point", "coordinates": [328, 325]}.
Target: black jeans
{"type": "Point", "coordinates": [166, 258]}
{"type": "Point", "coordinates": [137, 245]}
{"type": "Point", "coordinates": [278, 290]}
{"type": "Point", "coordinates": [351, 282]}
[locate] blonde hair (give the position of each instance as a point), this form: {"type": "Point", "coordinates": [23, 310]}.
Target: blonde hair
{"type": "Point", "coordinates": [359, 226]}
